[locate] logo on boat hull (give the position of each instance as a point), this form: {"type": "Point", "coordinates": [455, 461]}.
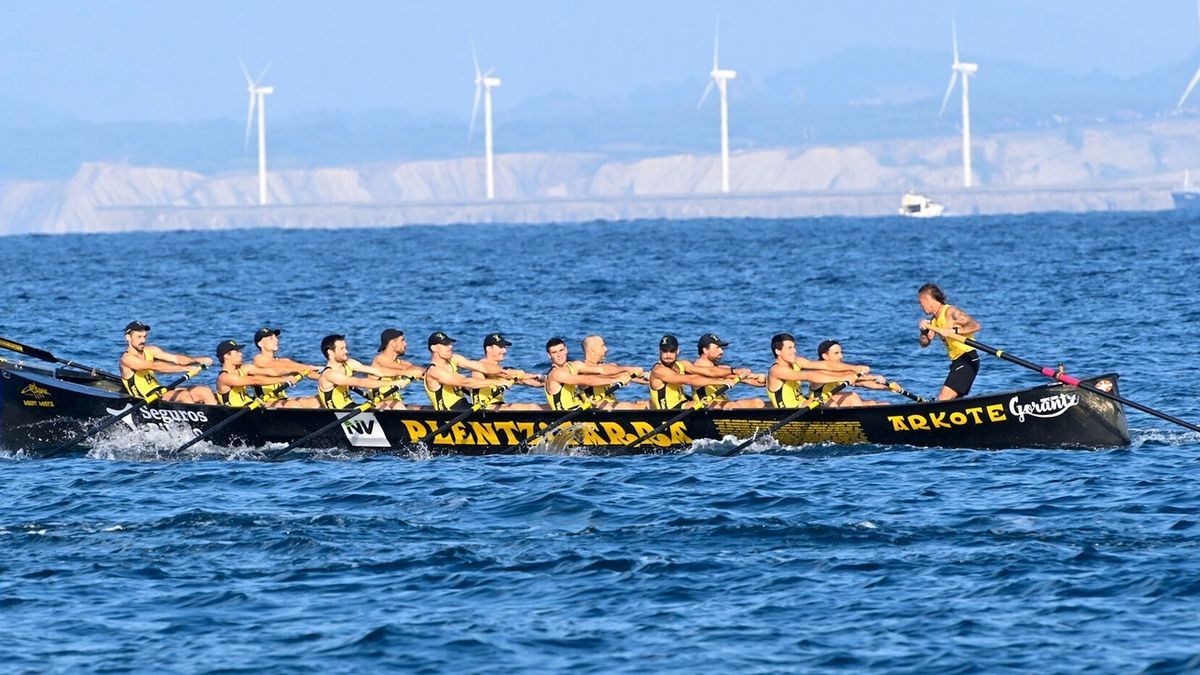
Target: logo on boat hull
{"type": "Point", "coordinates": [1045, 407]}
{"type": "Point", "coordinates": [127, 419]}
{"type": "Point", "coordinates": [364, 431]}
{"type": "Point", "coordinates": [34, 391]}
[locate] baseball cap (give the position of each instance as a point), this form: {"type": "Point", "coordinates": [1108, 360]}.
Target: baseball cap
{"type": "Point", "coordinates": [496, 339]}
{"type": "Point", "coordinates": [668, 343]}
{"type": "Point", "coordinates": [264, 332]}
{"type": "Point", "coordinates": [227, 346]}
{"type": "Point", "coordinates": [387, 336]}
{"type": "Point", "coordinates": [825, 346]}
{"type": "Point", "coordinates": [711, 339]}
{"type": "Point", "coordinates": [440, 338]}
{"type": "Point", "coordinates": [136, 326]}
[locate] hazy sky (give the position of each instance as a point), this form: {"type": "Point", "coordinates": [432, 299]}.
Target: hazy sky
{"type": "Point", "coordinates": [169, 61]}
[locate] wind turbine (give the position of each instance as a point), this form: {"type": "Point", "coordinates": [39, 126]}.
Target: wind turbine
{"type": "Point", "coordinates": [721, 78]}
{"type": "Point", "coordinates": [483, 86]}
{"type": "Point", "coordinates": [1191, 85]}
{"type": "Point", "coordinates": [256, 100]}
{"type": "Point", "coordinates": [967, 70]}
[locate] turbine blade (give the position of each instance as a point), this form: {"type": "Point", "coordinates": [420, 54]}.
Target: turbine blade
{"type": "Point", "coordinates": [946, 98]}
{"type": "Point", "coordinates": [260, 75]}
{"type": "Point", "coordinates": [1187, 92]}
{"type": "Point", "coordinates": [245, 72]}
{"type": "Point", "coordinates": [475, 60]}
{"type": "Point", "coordinates": [475, 108]}
{"type": "Point", "coordinates": [717, 44]}
{"type": "Point", "coordinates": [705, 96]}
{"type": "Point", "coordinates": [249, 120]}
{"type": "Point", "coordinates": [954, 37]}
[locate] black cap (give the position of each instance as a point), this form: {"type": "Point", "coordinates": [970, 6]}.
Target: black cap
{"type": "Point", "coordinates": [495, 339]}
{"type": "Point", "coordinates": [264, 332]}
{"type": "Point", "coordinates": [387, 336]}
{"type": "Point", "coordinates": [825, 346]}
{"type": "Point", "coordinates": [136, 326]}
{"type": "Point", "coordinates": [711, 339]}
{"type": "Point", "coordinates": [668, 343]}
{"type": "Point", "coordinates": [440, 338]}
{"type": "Point", "coordinates": [227, 346]}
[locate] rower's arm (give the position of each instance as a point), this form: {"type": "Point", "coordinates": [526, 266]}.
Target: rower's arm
{"type": "Point", "coordinates": [134, 362]}
{"type": "Point", "coordinates": [964, 322]}
{"type": "Point", "coordinates": [455, 380]}
{"type": "Point", "coordinates": [711, 371]}
{"type": "Point", "coordinates": [590, 380]}
{"type": "Point", "coordinates": [818, 376]}
{"type": "Point", "coordinates": [342, 379]}
{"type": "Point", "coordinates": [293, 366]}
{"type": "Point", "coordinates": [830, 366]}
{"type": "Point", "coordinates": [229, 379]}
{"type": "Point", "coordinates": [177, 359]}
{"type": "Point", "coordinates": [398, 370]}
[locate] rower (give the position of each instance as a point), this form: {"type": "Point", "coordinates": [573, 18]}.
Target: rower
{"type": "Point", "coordinates": [947, 319]}
{"type": "Point", "coordinates": [564, 382]}
{"type": "Point", "coordinates": [268, 359]}
{"type": "Point", "coordinates": [594, 351]}
{"type": "Point", "coordinates": [333, 386]}
{"type": "Point", "coordinates": [140, 361]}
{"type": "Point", "coordinates": [789, 370]}
{"type": "Point", "coordinates": [831, 351]}
{"type": "Point", "coordinates": [447, 389]}
{"type": "Point", "coordinates": [495, 348]}
{"type": "Point", "coordinates": [710, 349]}
{"type": "Point", "coordinates": [670, 375]}
{"type": "Point", "coordinates": [392, 347]}
{"type": "Point", "coordinates": [237, 382]}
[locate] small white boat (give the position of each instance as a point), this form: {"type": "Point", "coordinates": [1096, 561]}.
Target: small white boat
{"type": "Point", "coordinates": [916, 205]}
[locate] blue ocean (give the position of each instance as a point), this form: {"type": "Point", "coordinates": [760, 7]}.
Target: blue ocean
{"type": "Point", "coordinates": [784, 559]}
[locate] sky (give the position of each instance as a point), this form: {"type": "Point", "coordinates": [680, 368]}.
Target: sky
{"type": "Point", "coordinates": [121, 60]}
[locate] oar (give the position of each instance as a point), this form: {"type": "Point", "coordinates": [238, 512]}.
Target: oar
{"type": "Point", "coordinates": [44, 355]}
{"type": "Point", "coordinates": [153, 397]}
{"type": "Point", "coordinates": [276, 454]}
{"type": "Point", "coordinates": [895, 386]}
{"type": "Point", "coordinates": [704, 403]}
{"type": "Point", "coordinates": [253, 405]}
{"type": "Point", "coordinates": [812, 405]}
{"type": "Point", "coordinates": [1073, 381]}
{"type": "Point", "coordinates": [457, 418]}
{"type": "Point", "coordinates": [587, 405]}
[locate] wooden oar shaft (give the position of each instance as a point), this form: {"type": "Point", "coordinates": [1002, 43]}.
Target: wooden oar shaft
{"type": "Point", "coordinates": [153, 397]}
{"type": "Point", "coordinates": [895, 386]}
{"type": "Point", "coordinates": [1073, 381]}
{"type": "Point", "coordinates": [813, 405]}
{"type": "Point", "coordinates": [43, 355]}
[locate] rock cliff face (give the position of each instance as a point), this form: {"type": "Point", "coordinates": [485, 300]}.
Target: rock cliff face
{"type": "Point", "coordinates": [1115, 167]}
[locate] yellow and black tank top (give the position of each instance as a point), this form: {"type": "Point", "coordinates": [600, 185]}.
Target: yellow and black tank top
{"type": "Point", "coordinates": [447, 397]}
{"type": "Point", "coordinates": [142, 383]}
{"type": "Point", "coordinates": [270, 392]}
{"type": "Point", "coordinates": [815, 389]}
{"type": "Point", "coordinates": [236, 397]}
{"type": "Point", "coordinates": [709, 393]}
{"type": "Point", "coordinates": [954, 348]}
{"type": "Point", "coordinates": [568, 396]}
{"type": "Point", "coordinates": [337, 398]}
{"type": "Point", "coordinates": [489, 397]}
{"type": "Point", "coordinates": [672, 395]}
{"type": "Point", "coordinates": [600, 394]}
{"type": "Point", "coordinates": [789, 395]}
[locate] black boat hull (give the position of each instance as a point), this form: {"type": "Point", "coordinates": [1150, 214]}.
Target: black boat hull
{"type": "Point", "coordinates": [39, 411]}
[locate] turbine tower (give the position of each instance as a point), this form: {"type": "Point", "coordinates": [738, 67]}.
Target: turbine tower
{"type": "Point", "coordinates": [1191, 85]}
{"type": "Point", "coordinates": [256, 100]}
{"type": "Point", "coordinates": [721, 78]}
{"type": "Point", "coordinates": [483, 87]}
{"type": "Point", "coordinates": [967, 70]}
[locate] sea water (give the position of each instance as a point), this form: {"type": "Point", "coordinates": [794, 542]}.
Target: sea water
{"type": "Point", "coordinates": [785, 559]}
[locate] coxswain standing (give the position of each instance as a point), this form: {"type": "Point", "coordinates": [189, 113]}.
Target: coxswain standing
{"type": "Point", "coordinates": [140, 361]}
{"type": "Point", "coordinates": [495, 349]}
{"type": "Point", "coordinates": [710, 349]}
{"type": "Point", "coordinates": [392, 347]}
{"type": "Point", "coordinates": [268, 359]}
{"type": "Point", "coordinates": [447, 389]}
{"type": "Point", "coordinates": [236, 382]}
{"type": "Point", "coordinates": [565, 385]}
{"type": "Point", "coordinates": [333, 387]}
{"type": "Point", "coordinates": [670, 375]}
{"type": "Point", "coordinates": [946, 319]}
{"type": "Point", "coordinates": [789, 371]}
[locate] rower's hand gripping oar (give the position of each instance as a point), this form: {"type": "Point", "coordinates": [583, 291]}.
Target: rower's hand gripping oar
{"type": "Point", "coordinates": [812, 405]}
{"type": "Point", "coordinates": [253, 405]}
{"type": "Point", "coordinates": [152, 398]}
{"type": "Point", "coordinates": [43, 355]}
{"type": "Point", "coordinates": [701, 405]}
{"type": "Point", "coordinates": [355, 412]}
{"type": "Point", "coordinates": [1067, 379]}
{"type": "Point", "coordinates": [588, 404]}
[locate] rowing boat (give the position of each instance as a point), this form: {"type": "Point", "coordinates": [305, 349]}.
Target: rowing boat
{"type": "Point", "coordinates": [39, 409]}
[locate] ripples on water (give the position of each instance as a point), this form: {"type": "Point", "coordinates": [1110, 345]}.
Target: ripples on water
{"type": "Point", "coordinates": [817, 558]}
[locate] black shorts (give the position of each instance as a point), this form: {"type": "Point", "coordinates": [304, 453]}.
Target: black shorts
{"type": "Point", "coordinates": [962, 373]}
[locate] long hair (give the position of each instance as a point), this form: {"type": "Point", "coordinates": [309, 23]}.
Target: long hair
{"type": "Point", "coordinates": [933, 291]}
